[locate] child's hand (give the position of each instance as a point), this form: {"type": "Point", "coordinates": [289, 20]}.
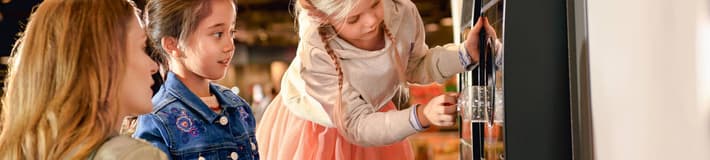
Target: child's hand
{"type": "Point", "coordinates": [440, 111]}
{"type": "Point", "coordinates": [473, 37]}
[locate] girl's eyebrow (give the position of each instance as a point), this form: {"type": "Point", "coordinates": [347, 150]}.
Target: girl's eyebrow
{"type": "Point", "coordinates": [375, 3]}
{"type": "Point", "coordinates": [216, 25]}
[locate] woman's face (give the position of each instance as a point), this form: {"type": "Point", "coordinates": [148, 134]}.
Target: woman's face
{"type": "Point", "coordinates": [134, 92]}
{"type": "Point", "coordinates": [362, 24]}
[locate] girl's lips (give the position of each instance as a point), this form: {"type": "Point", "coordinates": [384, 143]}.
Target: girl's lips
{"type": "Point", "coordinates": [225, 61]}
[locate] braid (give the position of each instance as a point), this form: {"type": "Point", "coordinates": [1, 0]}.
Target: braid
{"type": "Point", "coordinates": [395, 55]}
{"type": "Point", "coordinates": [323, 32]}
{"type": "Point", "coordinates": [325, 35]}
{"type": "Point", "coordinates": [401, 99]}
{"type": "Point", "coordinates": [338, 111]}
{"type": "Point", "coordinates": [316, 14]}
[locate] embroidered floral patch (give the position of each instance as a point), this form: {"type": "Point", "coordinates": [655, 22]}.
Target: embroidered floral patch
{"type": "Point", "coordinates": [184, 123]}
{"type": "Point", "coordinates": [243, 114]}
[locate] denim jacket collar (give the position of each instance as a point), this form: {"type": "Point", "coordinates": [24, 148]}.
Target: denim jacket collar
{"type": "Point", "coordinates": [177, 89]}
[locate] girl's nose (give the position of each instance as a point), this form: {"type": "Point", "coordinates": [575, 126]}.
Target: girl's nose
{"type": "Point", "coordinates": [370, 20]}
{"type": "Point", "coordinates": [230, 46]}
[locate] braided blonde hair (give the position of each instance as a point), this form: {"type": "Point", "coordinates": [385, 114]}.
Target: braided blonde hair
{"type": "Point", "coordinates": [326, 34]}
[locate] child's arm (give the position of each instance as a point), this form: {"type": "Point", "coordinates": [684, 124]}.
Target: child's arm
{"type": "Point", "coordinates": [426, 65]}
{"type": "Point", "coordinates": [151, 129]}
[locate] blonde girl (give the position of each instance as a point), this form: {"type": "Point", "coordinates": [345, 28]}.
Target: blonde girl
{"type": "Point", "coordinates": [336, 99]}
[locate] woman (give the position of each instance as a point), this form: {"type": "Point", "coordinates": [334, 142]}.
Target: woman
{"type": "Point", "coordinates": [76, 71]}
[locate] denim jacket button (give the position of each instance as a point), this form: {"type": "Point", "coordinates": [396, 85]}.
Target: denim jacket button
{"type": "Point", "coordinates": [223, 120]}
{"type": "Point", "coordinates": [234, 156]}
{"type": "Point", "coordinates": [200, 158]}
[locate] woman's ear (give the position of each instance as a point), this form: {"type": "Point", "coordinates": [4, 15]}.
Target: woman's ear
{"type": "Point", "coordinates": [170, 45]}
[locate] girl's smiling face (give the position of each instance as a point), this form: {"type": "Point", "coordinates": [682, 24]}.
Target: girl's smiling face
{"type": "Point", "coordinates": [210, 47]}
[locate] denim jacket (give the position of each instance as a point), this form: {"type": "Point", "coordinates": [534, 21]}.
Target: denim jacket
{"type": "Point", "coordinates": [185, 128]}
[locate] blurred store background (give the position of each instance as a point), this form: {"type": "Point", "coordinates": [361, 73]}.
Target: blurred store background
{"type": "Point", "coordinates": [649, 65]}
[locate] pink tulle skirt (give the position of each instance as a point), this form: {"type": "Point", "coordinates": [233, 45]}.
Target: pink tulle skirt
{"type": "Point", "coordinates": [283, 136]}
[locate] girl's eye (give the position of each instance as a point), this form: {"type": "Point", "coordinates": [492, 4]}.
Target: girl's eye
{"type": "Point", "coordinates": [353, 19]}
{"type": "Point", "coordinates": [217, 34]}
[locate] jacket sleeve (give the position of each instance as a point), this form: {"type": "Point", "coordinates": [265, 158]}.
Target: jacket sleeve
{"type": "Point", "coordinates": [150, 128]}
{"type": "Point", "coordinates": [426, 65]}
{"type": "Point", "coordinates": [365, 125]}
{"type": "Point", "coordinates": [141, 152]}
{"type": "Point", "coordinates": [127, 148]}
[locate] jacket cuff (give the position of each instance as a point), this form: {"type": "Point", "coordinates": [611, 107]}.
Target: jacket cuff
{"type": "Point", "coordinates": [414, 119]}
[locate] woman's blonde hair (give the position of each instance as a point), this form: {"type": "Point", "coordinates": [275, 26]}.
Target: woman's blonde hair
{"type": "Point", "coordinates": [60, 101]}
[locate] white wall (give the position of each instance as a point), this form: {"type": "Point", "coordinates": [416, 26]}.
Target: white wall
{"type": "Point", "coordinates": [650, 71]}
{"type": "Point", "coordinates": [703, 59]}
